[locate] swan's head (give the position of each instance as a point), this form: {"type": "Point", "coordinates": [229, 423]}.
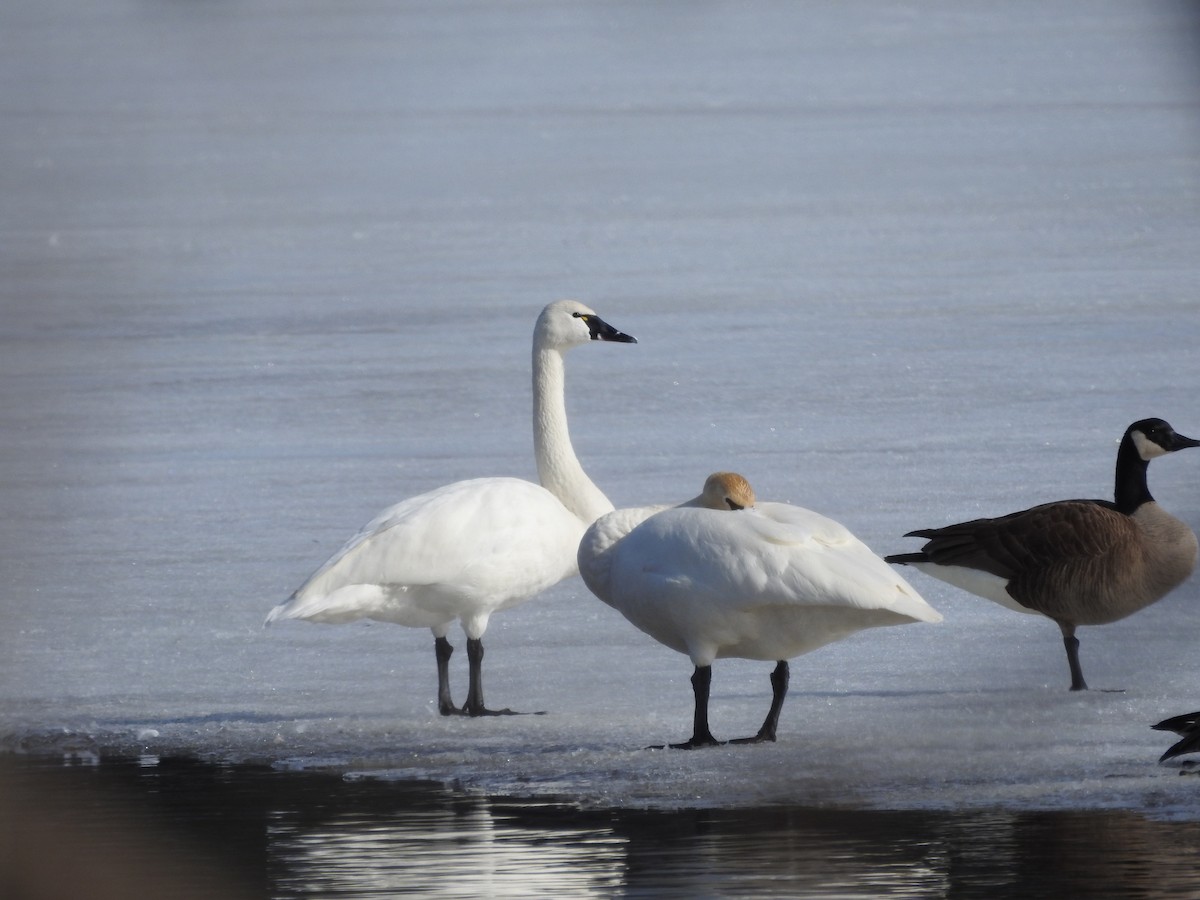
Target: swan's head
{"type": "Point", "coordinates": [1154, 437]}
{"type": "Point", "coordinates": [566, 323]}
{"type": "Point", "coordinates": [725, 490]}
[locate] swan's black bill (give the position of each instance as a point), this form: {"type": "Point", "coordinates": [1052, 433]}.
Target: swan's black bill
{"type": "Point", "coordinates": [602, 331]}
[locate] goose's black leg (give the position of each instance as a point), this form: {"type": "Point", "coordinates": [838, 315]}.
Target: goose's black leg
{"type": "Point", "coordinates": [442, 649]}
{"type": "Point", "coordinates": [1072, 644]}
{"type": "Point", "coordinates": [474, 705]}
{"type": "Point", "coordinates": [779, 686]}
{"type": "Point", "coordinates": [701, 736]}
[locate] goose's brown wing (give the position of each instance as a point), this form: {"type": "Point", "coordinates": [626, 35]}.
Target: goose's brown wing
{"type": "Point", "coordinates": [1042, 551]}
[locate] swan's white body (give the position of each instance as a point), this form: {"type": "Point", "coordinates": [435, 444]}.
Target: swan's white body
{"type": "Point", "coordinates": [469, 549]}
{"type": "Point", "coordinates": [768, 583]}
{"type": "Point", "coordinates": [463, 551]}
{"type": "Point", "coordinates": [722, 579]}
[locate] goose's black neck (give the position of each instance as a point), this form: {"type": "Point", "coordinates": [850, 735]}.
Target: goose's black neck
{"type": "Point", "coordinates": [1131, 490]}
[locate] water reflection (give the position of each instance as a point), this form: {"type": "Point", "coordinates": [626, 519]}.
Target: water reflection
{"type": "Point", "coordinates": [193, 829]}
{"type": "Point", "coordinates": [451, 848]}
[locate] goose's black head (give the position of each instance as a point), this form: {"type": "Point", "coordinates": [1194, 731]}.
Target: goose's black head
{"type": "Point", "coordinates": [1156, 437]}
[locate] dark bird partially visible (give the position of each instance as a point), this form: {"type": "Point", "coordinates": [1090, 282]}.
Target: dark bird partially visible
{"type": "Point", "coordinates": [1186, 726]}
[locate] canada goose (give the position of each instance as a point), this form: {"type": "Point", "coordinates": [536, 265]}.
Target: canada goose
{"type": "Point", "coordinates": [1078, 562]}
{"type": "Point", "coordinates": [473, 547]}
{"type": "Point", "coordinates": [1186, 726]}
{"type": "Point", "coordinates": [769, 581]}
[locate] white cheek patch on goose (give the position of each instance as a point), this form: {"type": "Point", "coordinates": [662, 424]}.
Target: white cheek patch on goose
{"type": "Point", "coordinates": [1146, 448]}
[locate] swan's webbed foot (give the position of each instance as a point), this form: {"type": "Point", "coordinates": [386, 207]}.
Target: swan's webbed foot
{"type": "Point", "coordinates": [759, 738]}
{"type": "Point", "coordinates": [474, 706]}
{"type": "Point", "coordinates": [481, 711]}
{"type": "Point", "coordinates": [484, 711]}
{"type": "Point", "coordinates": [701, 736]}
{"type": "Point", "coordinates": [779, 685]}
{"type": "Point", "coordinates": [697, 743]}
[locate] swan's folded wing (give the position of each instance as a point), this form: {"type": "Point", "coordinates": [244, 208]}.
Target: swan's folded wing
{"type": "Point", "coordinates": [766, 557]}
{"type": "Point", "coordinates": [597, 547]}
{"type": "Point", "coordinates": [463, 534]}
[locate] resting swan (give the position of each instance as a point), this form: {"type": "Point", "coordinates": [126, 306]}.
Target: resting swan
{"type": "Point", "coordinates": [721, 576]}
{"type": "Point", "coordinates": [469, 549]}
{"type": "Point", "coordinates": [1078, 562]}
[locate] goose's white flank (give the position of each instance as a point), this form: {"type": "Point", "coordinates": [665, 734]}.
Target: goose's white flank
{"type": "Point", "coordinates": [722, 576]}
{"type": "Point", "coordinates": [1078, 562]}
{"type": "Point", "coordinates": [469, 549]}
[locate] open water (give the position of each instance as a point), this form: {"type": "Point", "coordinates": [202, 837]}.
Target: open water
{"type": "Point", "coordinates": [178, 827]}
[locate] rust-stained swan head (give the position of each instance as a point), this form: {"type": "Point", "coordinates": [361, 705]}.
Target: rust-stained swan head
{"type": "Point", "coordinates": [725, 490]}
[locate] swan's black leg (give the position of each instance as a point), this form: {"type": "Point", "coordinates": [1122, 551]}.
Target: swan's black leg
{"type": "Point", "coordinates": [474, 705]}
{"type": "Point", "coordinates": [442, 650]}
{"type": "Point", "coordinates": [701, 736]}
{"type": "Point", "coordinates": [779, 687]}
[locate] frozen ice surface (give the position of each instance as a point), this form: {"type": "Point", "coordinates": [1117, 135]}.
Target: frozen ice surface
{"type": "Point", "coordinates": [268, 269]}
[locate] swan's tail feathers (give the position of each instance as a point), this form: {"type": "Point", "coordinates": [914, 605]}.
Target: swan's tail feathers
{"type": "Point", "coordinates": [347, 604]}
{"type": "Point", "coordinates": [278, 612]}
{"type": "Point", "coordinates": [910, 603]}
{"type": "Point", "coordinates": [904, 559]}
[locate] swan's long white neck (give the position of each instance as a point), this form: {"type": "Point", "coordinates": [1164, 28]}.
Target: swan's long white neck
{"type": "Point", "coordinates": [558, 468]}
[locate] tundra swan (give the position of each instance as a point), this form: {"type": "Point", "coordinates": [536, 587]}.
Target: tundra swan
{"type": "Point", "coordinates": [769, 581]}
{"type": "Point", "coordinates": [472, 548]}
